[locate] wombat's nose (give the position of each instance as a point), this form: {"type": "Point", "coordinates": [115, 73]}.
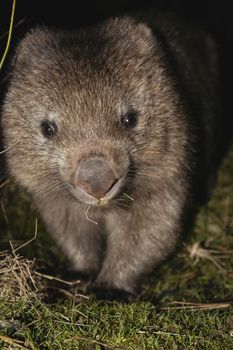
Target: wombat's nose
{"type": "Point", "coordinates": [95, 177]}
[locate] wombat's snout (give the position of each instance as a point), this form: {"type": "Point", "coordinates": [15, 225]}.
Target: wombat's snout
{"type": "Point", "coordinates": [95, 177]}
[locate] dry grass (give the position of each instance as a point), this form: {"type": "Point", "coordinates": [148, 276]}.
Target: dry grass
{"type": "Point", "coordinates": [17, 277]}
{"type": "Point", "coordinates": [197, 252]}
{"type": "Point", "coordinates": [20, 279]}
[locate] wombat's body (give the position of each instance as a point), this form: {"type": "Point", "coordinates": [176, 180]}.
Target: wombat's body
{"type": "Point", "coordinates": [102, 126]}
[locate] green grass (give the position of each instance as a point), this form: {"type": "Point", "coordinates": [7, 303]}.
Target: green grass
{"type": "Point", "coordinates": [155, 320]}
{"type": "Point", "coordinates": [134, 326]}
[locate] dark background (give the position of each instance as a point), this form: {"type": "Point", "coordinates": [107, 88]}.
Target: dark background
{"type": "Point", "coordinates": [215, 16]}
{"type": "Point", "coordinates": [70, 13]}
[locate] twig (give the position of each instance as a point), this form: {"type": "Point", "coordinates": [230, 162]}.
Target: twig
{"type": "Point", "coordinates": [30, 240]}
{"type": "Point", "coordinates": [13, 342]}
{"type": "Point", "coordinates": [93, 341]}
{"type": "Point", "coordinates": [4, 213]}
{"type": "Point", "coordinates": [196, 306]}
{"type": "Point", "coordinates": [9, 34]}
{"type": "Point", "coordinates": [196, 252]}
{"type": "Point", "coordinates": [86, 213]}
{"type": "Point", "coordinates": [4, 183]}
{"type": "Point", "coordinates": [168, 333]}
{"type": "Point", "coordinates": [53, 278]}
{"type": "Point", "coordinates": [14, 27]}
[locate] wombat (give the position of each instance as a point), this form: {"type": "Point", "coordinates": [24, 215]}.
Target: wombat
{"type": "Point", "coordinates": [106, 126]}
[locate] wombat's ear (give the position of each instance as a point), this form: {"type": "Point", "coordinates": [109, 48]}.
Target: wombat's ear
{"type": "Point", "coordinates": [131, 30]}
{"type": "Point", "coordinates": [147, 34]}
{"type": "Point", "coordinates": [25, 52]}
{"type": "Point", "coordinates": [145, 31]}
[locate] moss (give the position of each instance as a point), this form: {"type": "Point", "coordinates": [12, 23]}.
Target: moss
{"type": "Point", "coordinates": [158, 319]}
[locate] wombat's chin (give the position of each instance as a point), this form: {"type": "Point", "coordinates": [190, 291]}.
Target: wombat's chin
{"type": "Point", "coordinates": [87, 199]}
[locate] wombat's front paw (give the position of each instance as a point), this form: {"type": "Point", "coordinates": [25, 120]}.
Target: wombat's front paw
{"type": "Point", "coordinates": [115, 283]}
{"type": "Point", "coordinates": [87, 266]}
{"type": "Point", "coordinates": [102, 293]}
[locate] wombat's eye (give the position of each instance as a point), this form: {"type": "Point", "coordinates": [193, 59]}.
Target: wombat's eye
{"type": "Point", "coordinates": [130, 119]}
{"type": "Point", "coordinates": [49, 129]}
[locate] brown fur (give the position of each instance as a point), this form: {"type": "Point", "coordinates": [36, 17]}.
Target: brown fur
{"type": "Point", "coordinates": [85, 81]}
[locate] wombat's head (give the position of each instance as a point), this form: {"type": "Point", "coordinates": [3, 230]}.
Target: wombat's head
{"type": "Point", "coordinates": [90, 114]}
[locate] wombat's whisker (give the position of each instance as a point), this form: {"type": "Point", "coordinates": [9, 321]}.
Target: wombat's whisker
{"type": "Point", "coordinates": [4, 183]}
{"type": "Point", "coordinates": [126, 195]}
{"type": "Point", "coordinates": [7, 149]}
{"type": "Point", "coordinates": [87, 217]}
{"type": "Point", "coordinates": [49, 188]}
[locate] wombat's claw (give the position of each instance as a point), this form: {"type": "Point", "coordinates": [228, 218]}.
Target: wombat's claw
{"type": "Point", "coordinates": [107, 294]}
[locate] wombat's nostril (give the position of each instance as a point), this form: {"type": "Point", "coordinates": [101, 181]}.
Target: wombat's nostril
{"type": "Point", "coordinates": [95, 177]}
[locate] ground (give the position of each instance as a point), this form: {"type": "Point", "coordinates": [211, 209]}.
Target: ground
{"type": "Point", "coordinates": [186, 304]}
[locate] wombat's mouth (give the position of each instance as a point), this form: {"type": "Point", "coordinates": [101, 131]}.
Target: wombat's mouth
{"type": "Point", "coordinates": [87, 199]}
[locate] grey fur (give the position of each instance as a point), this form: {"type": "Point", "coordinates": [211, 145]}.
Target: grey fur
{"type": "Point", "coordinates": [85, 81]}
